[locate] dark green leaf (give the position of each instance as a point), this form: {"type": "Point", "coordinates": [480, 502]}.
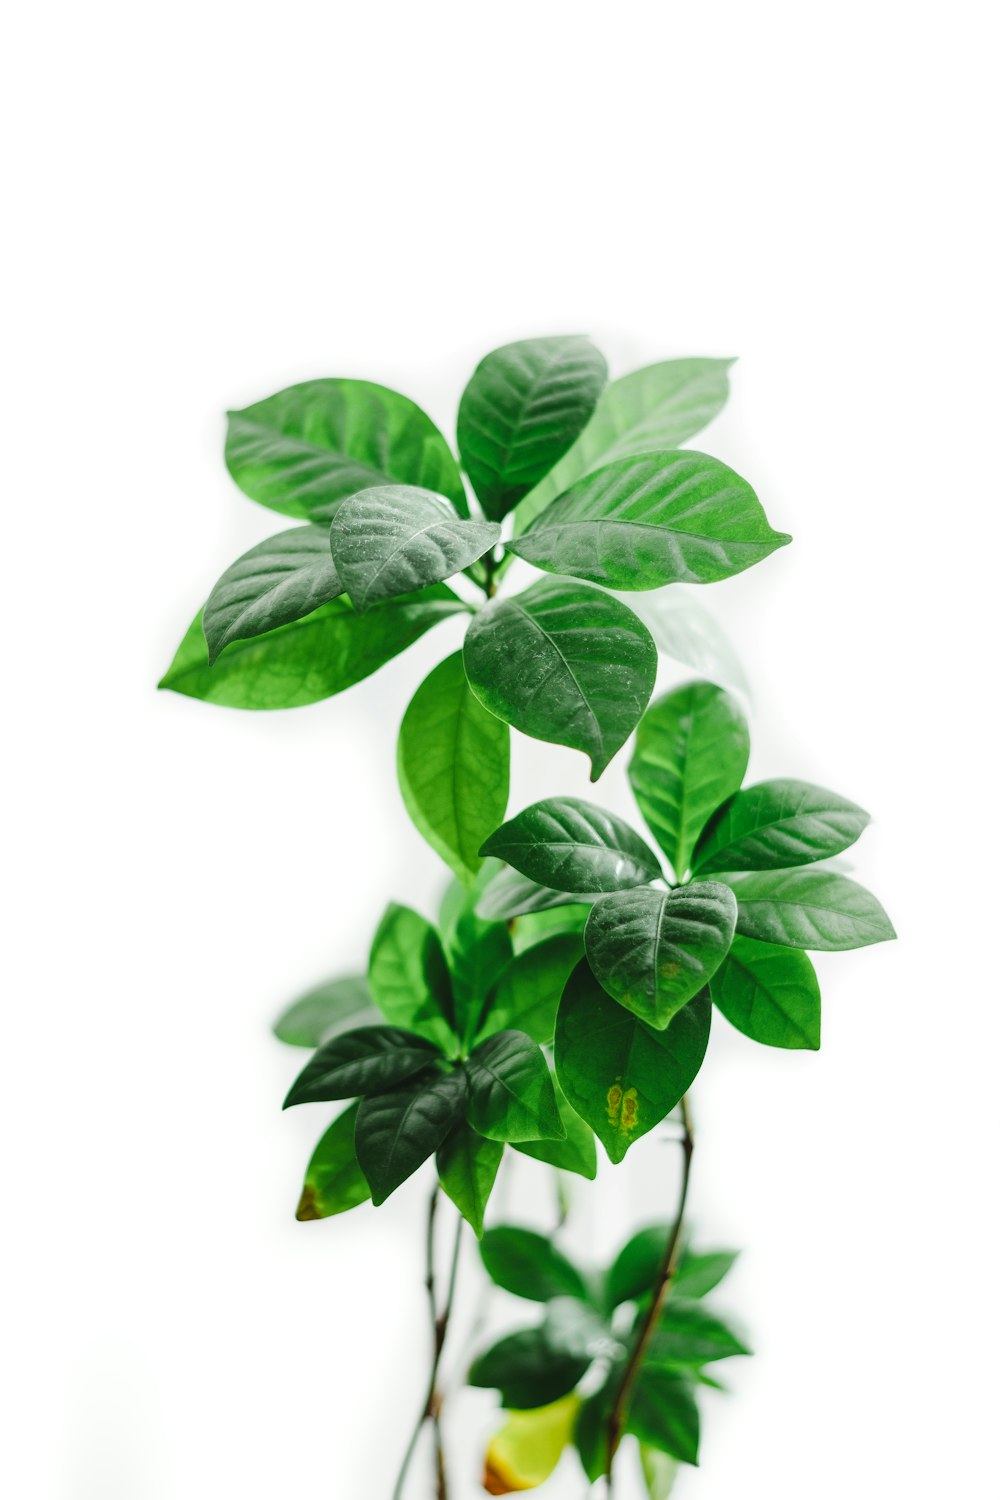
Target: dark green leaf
{"type": "Point", "coordinates": [565, 663]}
{"type": "Point", "coordinates": [658, 407]}
{"type": "Point", "coordinates": [523, 408]}
{"type": "Point", "coordinates": [276, 582]}
{"type": "Point", "coordinates": [306, 448]}
{"type": "Point", "coordinates": [689, 1334]}
{"type": "Point", "coordinates": [527, 995]}
{"type": "Point", "coordinates": [816, 909]}
{"type": "Point", "coordinates": [644, 522]}
{"type": "Point", "coordinates": [528, 1265]}
{"type": "Point", "coordinates": [321, 1012]}
{"type": "Point", "coordinates": [636, 1266]}
{"type": "Point", "coordinates": [467, 1166]}
{"type": "Point", "coordinates": [409, 977]}
{"type": "Point", "coordinates": [777, 824]}
{"type": "Point", "coordinates": [573, 846]}
{"type": "Point", "coordinates": [621, 1075]}
{"type": "Point", "coordinates": [510, 1091]}
{"type": "Point", "coordinates": [478, 953]}
{"type": "Point", "coordinates": [398, 1131]}
{"type": "Point", "coordinates": [328, 651]}
{"type": "Point", "coordinates": [577, 1153]}
{"type": "Point", "coordinates": [370, 1060]}
{"type": "Point", "coordinates": [510, 894]}
{"type": "Point", "coordinates": [770, 994]}
{"type": "Point", "coordinates": [334, 1181]}
{"type": "Point", "coordinates": [653, 951]}
{"type": "Point", "coordinates": [691, 752]}
{"type": "Point", "coordinates": [395, 538]}
{"type": "Point", "coordinates": [526, 1370]}
{"type": "Point", "coordinates": [454, 766]}
{"type": "Point", "coordinates": [664, 1414]}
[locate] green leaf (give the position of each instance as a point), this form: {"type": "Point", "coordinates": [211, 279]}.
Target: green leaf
{"type": "Point", "coordinates": [590, 1434]}
{"type": "Point", "coordinates": [306, 448]}
{"type": "Point", "coordinates": [664, 1414]}
{"type": "Point", "coordinates": [691, 752]}
{"type": "Point", "coordinates": [769, 993]}
{"type": "Point", "coordinates": [478, 954]}
{"type": "Point", "coordinates": [638, 1262]}
{"type": "Point", "coordinates": [395, 538]}
{"type": "Point", "coordinates": [510, 1091]}
{"type": "Point", "coordinates": [644, 522]}
{"type": "Point", "coordinates": [558, 921]}
{"type": "Point", "coordinates": [370, 1060]}
{"type": "Point", "coordinates": [328, 1008]}
{"type": "Point", "coordinates": [689, 1334]}
{"type": "Point", "coordinates": [653, 951]}
{"type": "Point", "coordinates": [398, 1131]}
{"type": "Point", "coordinates": [686, 632]}
{"type": "Point", "coordinates": [467, 1165]}
{"type": "Point", "coordinates": [334, 1181]}
{"type": "Point", "coordinates": [526, 1370]}
{"type": "Point", "coordinates": [565, 663]}
{"type": "Point", "coordinates": [777, 824]}
{"type": "Point", "coordinates": [621, 1075]}
{"type": "Point", "coordinates": [659, 1472]}
{"type": "Point", "coordinates": [527, 994]}
{"type": "Point", "coordinates": [509, 894]}
{"type": "Point", "coordinates": [276, 582]}
{"type": "Point", "coordinates": [527, 1448]}
{"type": "Point", "coordinates": [700, 1272]}
{"type": "Point", "coordinates": [657, 407]}
{"type": "Point", "coordinates": [577, 1153]}
{"type": "Point", "coordinates": [523, 408]}
{"type": "Point", "coordinates": [454, 766]}
{"type": "Point", "coordinates": [409, 977]}
{"type": "Point", "coordinates": [816, 909]}
{"type": "Point", "coordinates": [528, 1265]}
{"type": "Point", "coordinates": [574, 846]}
{"type": "Point", "coordinates": [314, 658]}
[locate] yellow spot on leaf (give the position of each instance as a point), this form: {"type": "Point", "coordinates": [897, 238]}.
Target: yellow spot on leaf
{"type": "Point", "coordinates": [527, 1448]}
{"type": "Point", "coordinates": [623, 1108]}
{"type": "Point", "coordinates": [308, 1208]}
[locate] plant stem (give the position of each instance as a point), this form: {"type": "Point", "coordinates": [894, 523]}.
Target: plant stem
{"type": "Point", "coordinates": [661, 1286]}
{"type": "Point", "coordinates": [431, 1409]}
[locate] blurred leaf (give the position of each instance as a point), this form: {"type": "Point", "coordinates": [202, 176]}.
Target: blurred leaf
{"type": "Point", "coordinates": [334, 1181]}
{"type": "Point", "coordinates": [328, 1008]}
{"type": "Point", "coordinates": [689, 1334]}
{"type": "Point", "coordinates": [526, 1370]}
{"type": "Point", "coordinates": [659, 1471]}
{"type": "Point", "coordinates": [528, 1265]}
{"type": "Point", "coordinates": [686, 632]}
{"type": "Point", "coordinates": [663, 1413]}
{"type": "Point", "coordinates": [526, 1450]}
{"type": "Point", "coordinates": [510, 894]}
{"type": "Point", "coordinates": [409, 977]}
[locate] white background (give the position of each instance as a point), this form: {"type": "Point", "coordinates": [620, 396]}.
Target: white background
{"type": "Point", "coordinates": [210, 201]}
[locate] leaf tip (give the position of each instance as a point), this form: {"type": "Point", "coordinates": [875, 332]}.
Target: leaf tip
{"type": "Point", "coordinates": [308, 1208]}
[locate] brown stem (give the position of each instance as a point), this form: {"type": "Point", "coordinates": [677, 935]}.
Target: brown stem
{"type": "Point", "coordinates": [661, 1286]}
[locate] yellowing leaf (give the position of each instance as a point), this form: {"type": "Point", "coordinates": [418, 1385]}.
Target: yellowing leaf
{"type": "Point", "coordinates": [528, 1446]}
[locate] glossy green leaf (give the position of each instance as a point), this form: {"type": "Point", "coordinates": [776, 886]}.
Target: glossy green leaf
{"type": "Point", "coordinates": [313, 658]}
{"type": "Point", "coordinates": [454, 766]}
{"type": "Point", "coordinates": [659, 1472]}
{"type": "Point", "coordinates": [621, 1075]}
{"type": "Point", "coordinates": [479, 954]}
{"type": "Point", "coordinates": [816, 909]}
{"type": "Point", "coordinates": [565, 663]}
{"type": "Point", "coordinates": [369, 1060]}
{"type": "Point", "coordinates": [689, 1334]}
{"type": "Point", "coordinates": [577, 1153]}
{"type": "Point", "coordinates": [409, 977]}
{"type": "Point", "coordinates": [644, 522]}
{"type": "Point", "coordinates": [663, 1413]}
{"type": "Point", "coordinates": [573, 846]}
{"type": "Point", "coordinates": [775, 825]}
{"type": "Point", "coordinates": [276, 582]}
{"type": "Point", "coordinates": [334, 1181]}
{"type": "Point", "coordinates": [323, 1011]}
{"type": "Point", "coordinates": [527, 995]}
{"type": "Point", "coordinates": [691, 753]}
{"type": "Point", "coordinates": [524, 407]}
{"type": "Point", "coordinates": [527, 1448]}
{"type": "Point", "coordinates": [396, 1132]}
{"type": "Point", "coordinates": [528, 1265]}
{"type": "Point", "coordinates": [395, 538]}
{"type": "Point", "coordinates": [769, 993]}
{"type": "Point", "coordinates": [306, 448]}
{"type": "Point", "coordinates": [510, 894]}
{"type": "Point", "coordinates": [510, 1092]}
{"type": "Point", "coordinates": [467, 1165]}
{"type": "Point", "coordinates": [688, 633]}
{"type": "Point", "coordinates": [653, 950]}
{"type": "Point", "coordinates": [657, 407]}
{"type": "Point", "coordinates": [526, 1370]}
